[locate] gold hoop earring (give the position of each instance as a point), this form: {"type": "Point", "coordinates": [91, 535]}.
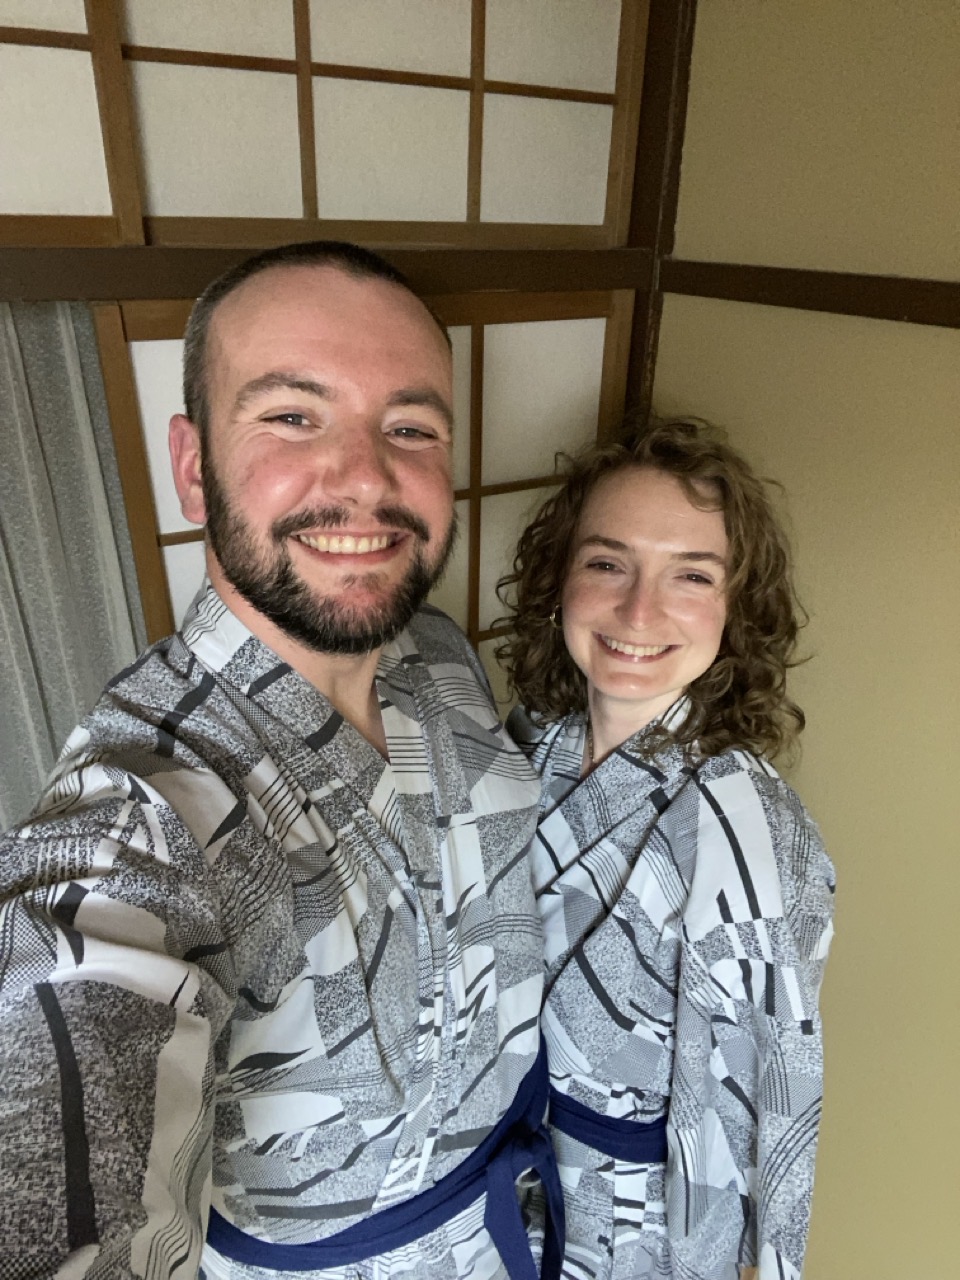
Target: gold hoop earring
{"type": "Point", "coordinates": [554, 619]}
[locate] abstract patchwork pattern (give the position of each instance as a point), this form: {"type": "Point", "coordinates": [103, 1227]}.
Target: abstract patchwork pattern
{"type": "Point", "coordinates": [245, 959]}
{"type": "Point", "coordinates": [687, 913]}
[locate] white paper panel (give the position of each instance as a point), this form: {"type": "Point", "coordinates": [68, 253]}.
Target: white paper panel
{"type": "Point", "coordinates": [541, 394]}
{"type": "Point", "coordinates": [390, 151]}
{"type": "Point", "coordinates": [404, 35]}
{"type": "Point", "coordinates": [48, 15]}
{"type": "Point", "coordinates": [571, 44]}
{"type": "Point", "coordinates": [502, 519]}
{"type": "Point", "coordinates": [185, 568]}
{"type": "Point", "coordinates": [451, 593]}
{"type": "Point", "coordinates": [262, 28]}
{"type": "Point", "coordinates": [157, 372]}
{"type": "Point", "coordinates": [51, 149]}
{"type": "Point", "coordinates": [824, 136]}
{"type": "Point", "coordinates": [218, 142]}
{"type": "Point", "coordinates": [496, 675]}
{"type": "Point", "coordinates": [460, 338]}
{"type": "Point", "coordinates": [858, 418]}
{"type": "Point", "coordinates": [544, 161]}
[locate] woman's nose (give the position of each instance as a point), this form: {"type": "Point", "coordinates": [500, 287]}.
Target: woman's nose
{"type": "Point", "coordinates": [641, 604]}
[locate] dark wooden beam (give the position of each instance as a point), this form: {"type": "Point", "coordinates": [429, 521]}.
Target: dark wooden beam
{"type": "Point", "coordinates": [670, 41]}
{"type": "Point", "coordinates": [663, 112]}
{"type": "Point", "coordinates": [44, 39]}
{"type": "Point", "coordinates": [123, 273]}
{"type": "Point", "coordinates": [913, 301]}
{"type": "Point", "coordinates": [656, 182]}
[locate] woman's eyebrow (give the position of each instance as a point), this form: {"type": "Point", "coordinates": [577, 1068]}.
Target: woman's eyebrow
{"type": "Point", "coordinates": [613, 544]}
{"type": "Point", "coordinates": [279, 382]}
{"type": "Point", "coordinates": [597, 540]}
{"type": "Point", "coordinates": [701, 555]}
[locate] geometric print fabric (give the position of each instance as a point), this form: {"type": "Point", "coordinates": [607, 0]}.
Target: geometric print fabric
{"type": "Point", "coordinates": [243, 958]}
{"type": "Point", "coordinates": [685, 943]}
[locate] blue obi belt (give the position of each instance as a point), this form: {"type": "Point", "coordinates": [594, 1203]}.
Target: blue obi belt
{"type": "Point", "coordinates": [631, 1140]}
{"type": "Point", "coordinates": [519, 1142]}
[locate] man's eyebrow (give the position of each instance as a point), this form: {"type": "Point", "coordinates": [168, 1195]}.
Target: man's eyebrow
{"type": "Point", "coordinates": [279, 382]}
{"type": "Point", "coordinates": [422, 397]}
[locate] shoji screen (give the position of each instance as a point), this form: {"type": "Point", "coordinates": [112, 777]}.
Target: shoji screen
{"type": "Point", "coordinates": [497, 122]}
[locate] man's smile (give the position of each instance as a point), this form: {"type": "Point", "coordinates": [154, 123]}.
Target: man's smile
{"type": "Point", "coordinates": [346, 544]}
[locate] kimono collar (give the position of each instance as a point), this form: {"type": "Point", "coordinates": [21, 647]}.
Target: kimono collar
{"type": "Point", "coordinates": [211, 632]}
{"type": "Point", "coordinates": [670, 719]}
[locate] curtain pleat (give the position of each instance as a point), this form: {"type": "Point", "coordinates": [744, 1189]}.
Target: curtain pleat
{"type": "Point", "coordinates": [70, 613]}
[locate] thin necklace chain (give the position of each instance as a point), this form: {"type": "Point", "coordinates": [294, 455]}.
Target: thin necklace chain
{"type": "Point", "coordinates": [590, 754]}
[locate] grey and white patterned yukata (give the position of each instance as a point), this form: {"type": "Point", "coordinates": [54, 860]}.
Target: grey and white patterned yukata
{"type": "Point", "coordinates": [687, 914]}
{"type": "Point", "coordinates": [245, 959]}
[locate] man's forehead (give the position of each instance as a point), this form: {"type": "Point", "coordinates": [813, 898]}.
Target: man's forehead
{"type": "Point", "coordinates": [317, 323]}
{"type": "Point", "coordinates": [319, 289]}
{"type": "Point", "coordinates": [323, 309]}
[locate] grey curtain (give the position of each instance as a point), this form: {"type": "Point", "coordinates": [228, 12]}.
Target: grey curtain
{"type": "Point", "coordinates": [70, 614]}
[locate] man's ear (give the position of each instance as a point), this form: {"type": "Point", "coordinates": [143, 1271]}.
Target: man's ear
{"type": "Point", "coordinates": [185, 458]}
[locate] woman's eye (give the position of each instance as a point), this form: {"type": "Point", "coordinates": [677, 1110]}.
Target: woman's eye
{"type": "Point", "coordinates": [605, 566]}
{"type": "Point", "coordinates": [699, 578]}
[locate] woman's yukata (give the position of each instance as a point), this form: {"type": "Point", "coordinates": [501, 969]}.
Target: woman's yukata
{"type": "Point", "coordinates": [687, 912]}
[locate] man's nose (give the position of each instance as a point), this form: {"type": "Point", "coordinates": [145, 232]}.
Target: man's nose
{"type": "Point", "coordinates": [358, 468]}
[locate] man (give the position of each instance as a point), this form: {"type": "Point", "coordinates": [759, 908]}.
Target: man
{"type": "Point", "coordinates": [269, 943]}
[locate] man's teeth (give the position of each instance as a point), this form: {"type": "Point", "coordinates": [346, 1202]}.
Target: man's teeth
{"type": "Point", "coordinates": [345, 544]}
{"type": "Point", "coordinates": [635, 650]}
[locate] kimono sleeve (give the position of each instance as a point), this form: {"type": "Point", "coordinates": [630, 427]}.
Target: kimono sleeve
{"type": "Point", "coordinates": [109, 1009]}
{"type": "Point", "coordinates": [748, 1067]}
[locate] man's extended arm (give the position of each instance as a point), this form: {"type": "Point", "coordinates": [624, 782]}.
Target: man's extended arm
{"type": "Point", "coordinates": [107, 1022]}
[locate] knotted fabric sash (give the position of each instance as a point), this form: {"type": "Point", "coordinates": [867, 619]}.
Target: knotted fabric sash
{"type": "Point", "coordinates": [519, 1142]}
{"type": "Point", "coordinates": [639, 1143]}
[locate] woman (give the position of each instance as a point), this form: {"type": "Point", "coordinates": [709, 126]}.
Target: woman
{"type": "Point", "coordinates": [685, 894]}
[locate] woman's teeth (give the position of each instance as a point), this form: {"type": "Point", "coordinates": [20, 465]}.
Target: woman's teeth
{"type": "Point", "coordinates": [634, 650]}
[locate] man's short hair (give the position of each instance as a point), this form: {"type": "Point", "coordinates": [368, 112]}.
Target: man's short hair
{"type": "Point", "coordinates": [351, 259]}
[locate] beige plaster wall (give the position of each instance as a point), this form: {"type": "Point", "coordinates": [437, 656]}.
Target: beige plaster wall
{"type": "Point", "coordinates": [859, 420]}
{"type": "Point", "coordinates": [823, 135]}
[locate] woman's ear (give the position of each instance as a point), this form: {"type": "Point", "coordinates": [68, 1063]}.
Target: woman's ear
{"type": "Point", "coordinates": [186, 460]}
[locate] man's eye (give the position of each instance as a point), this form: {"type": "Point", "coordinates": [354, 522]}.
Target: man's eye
{"type": "Point", "coordinates": [290, 419]}
{"type": "Point", "coordinates": [405, 431]}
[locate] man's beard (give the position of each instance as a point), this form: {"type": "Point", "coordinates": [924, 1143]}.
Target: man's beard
{"type": "Point", "coordinates": [271, 584]}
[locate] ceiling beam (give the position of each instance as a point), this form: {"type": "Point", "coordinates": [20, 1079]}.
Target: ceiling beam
{"type": "Point", "coordinates": [144, 272]}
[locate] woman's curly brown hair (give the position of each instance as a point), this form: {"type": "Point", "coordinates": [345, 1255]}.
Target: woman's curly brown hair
{"type": "Point", "coordinates": [741, 700]}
